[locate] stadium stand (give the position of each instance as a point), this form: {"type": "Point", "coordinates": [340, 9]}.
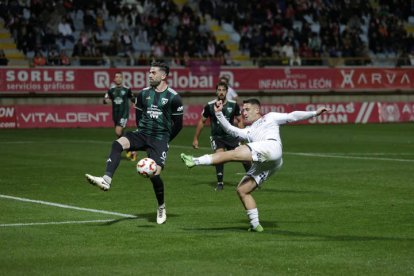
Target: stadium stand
{"type": "Point", "coordinates": [263, 33]}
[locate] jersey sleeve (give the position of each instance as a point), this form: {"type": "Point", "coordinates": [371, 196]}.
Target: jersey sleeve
{"type": "Point", "coordinates": [108, 94]}
{"type": "Point", "coordinates": [177, 106]}
{"type": "Point", "coordinates": [177, 116]}
{"type": "Point", "coordinates": [206, 111]}
{"type": "Point", "coordinates": [284, 118]}
{"type": "Point", "coordinates": [130, 95]}
{"type": "Point", "coordinates": [138, 101]}
{"type": "Point", "coordinates": [138, 107]}
{"type": "Point", "coordinates": [230, 129]}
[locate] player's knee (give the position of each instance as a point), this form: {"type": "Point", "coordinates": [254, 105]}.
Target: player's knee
{"type": "Point", "coordinates": [240, 192]}
{"type": "Point", "coordinates": [124, 142]}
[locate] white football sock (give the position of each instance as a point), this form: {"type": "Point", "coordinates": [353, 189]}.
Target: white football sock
{"type": "Point", "coordinates": [107, 179]}
{"type": "Point", "coordinates": [253, 215]}
{"type": "Point", "coordinates": [203, 160]}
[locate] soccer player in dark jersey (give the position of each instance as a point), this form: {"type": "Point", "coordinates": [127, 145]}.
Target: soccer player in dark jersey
{"type": "Point", "coordinates": [120, 95]}
{"type": "Point", "coordinates": [219, 139]}
{"type": "Point", "coordinates": [159, 113]}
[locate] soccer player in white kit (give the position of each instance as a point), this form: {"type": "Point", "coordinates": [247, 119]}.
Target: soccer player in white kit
{"type": "Point", "coordinates": [263, 149]}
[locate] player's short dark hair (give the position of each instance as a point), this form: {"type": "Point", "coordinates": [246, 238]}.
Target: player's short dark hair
{"type": "Point", "coordinates": [224, 79]}
{"type": "Point", "coordinates": [162, 65]}
{"type": "Point", "coordinates": [222, 83]}
{"type": "Point", "coordinates": [252, 101]}
{"type": "Point", "coordinates": [118, 72]}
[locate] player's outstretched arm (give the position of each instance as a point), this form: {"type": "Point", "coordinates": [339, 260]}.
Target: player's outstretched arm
{"type": "Point", "coordinates": [322, 110]}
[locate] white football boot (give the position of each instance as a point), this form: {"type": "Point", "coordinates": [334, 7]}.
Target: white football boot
{"type": "Point", "coordinates": [98, 181]}
{"type": "Point", "coordinates": [161, 214]}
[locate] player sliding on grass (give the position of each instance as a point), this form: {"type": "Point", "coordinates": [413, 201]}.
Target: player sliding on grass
{"type": "Point", "coordinates": [263, 148]}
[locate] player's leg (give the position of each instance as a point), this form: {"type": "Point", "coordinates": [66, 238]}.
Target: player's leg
{"type": "Point", "coordinates": [157, 150]}
{"type": "Point", "coordinates": [219, 173]}
{"type": "Point", "coordinates": [119, 131]}
{"type": "Point", "coordinates": [112, 163]}
{"type": "Point", "coordinates": [244, 190]}
{"type": "Point", "coordinates": [218, 145]}
{"type": "Point", "coordinates": [114, 158]}
{"type": "Point", "coordinates": [241, 153]}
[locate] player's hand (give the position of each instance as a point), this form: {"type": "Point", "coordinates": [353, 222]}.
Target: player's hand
{"type": "Point", "coordinates": [218, 106]}
{"type": "Point", "coordinates": [322, 109]}
{"type": "Point", "coordinates": [195, 144]}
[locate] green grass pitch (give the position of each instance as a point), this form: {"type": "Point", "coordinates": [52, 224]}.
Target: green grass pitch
{"type": "Point", "coordinates": [343, 204]}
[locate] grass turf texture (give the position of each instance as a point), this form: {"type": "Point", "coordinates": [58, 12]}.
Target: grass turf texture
{"type": "Point", "coordinates": [341, 205]}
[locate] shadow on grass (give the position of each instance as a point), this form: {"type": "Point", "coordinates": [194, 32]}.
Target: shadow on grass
{"type": "Point", "coordinates": [274, 190]}
{"type": "Point", "coordinates": [150, 217]}
{"type": "Point", "coordinates": [270, 229]}
{"type": "Point", "coordinates": [337, 237]}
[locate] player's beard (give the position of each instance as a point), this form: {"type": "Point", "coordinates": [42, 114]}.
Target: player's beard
{"type": "Point", "coordinates": [154, 83]}
{"type": "Point", "coordinates": [221, 97]}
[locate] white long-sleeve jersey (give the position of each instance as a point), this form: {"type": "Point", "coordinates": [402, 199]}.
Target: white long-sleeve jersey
{"type": "Point", "coordinates": [266, 127]}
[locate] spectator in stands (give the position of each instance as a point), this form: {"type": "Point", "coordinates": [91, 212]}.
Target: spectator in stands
{"type": "Point", "coordinates": [295, 60]}
{"type": "Point", "coordinates": [79, 49]}
{"type": "Point", "coordinates": [288, 49]}
{"type": "Point", "coordinates": [176, 60]}
{"type": "Point", "coordinates": [39, 59]}
{"type": "Point", "coordinates": [53, 58]}
{"type": "Point", "coordinates": [411, 56]}
{"type": "Point", "coordinates": [89, 20]}
{"type": "Point", "coordinates": [65, 31]}
{"type": "Point", "coordinates": [211, 48]}
{"type": "Point", "coordinates": [126, 41]}
{"type": "Point", "coordinates": [100, 22]}
{"type": "Point", "coordinates": [96, 40]}
{"type": "Point", "coordinates": [158, 49]}
{"type": "Point", "coordinates": [84, 38]}
{"type": "Point", "coordinates": [64, 59]}
{"type": "Point", "coordinates": [306, 54]}
{"type": "Point", "coordinates": [114, 45]}
{"type": "Point", "coordinates": [3, 59]}
{"type": "Point", "coordinates": [35, 25]}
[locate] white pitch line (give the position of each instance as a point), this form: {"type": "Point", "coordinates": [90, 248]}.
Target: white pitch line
{"type": "Point", "coordinates": [67, 206]}
{"type": "Point", "coordinates": [54, 223]}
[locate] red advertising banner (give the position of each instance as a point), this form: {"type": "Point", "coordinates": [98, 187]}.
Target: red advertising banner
{"type": "Point", "coordinates": [284, 79]}
{"type": "Point", "coordinates": [90, 116]}
{"type": "Point", "coordinates": [7, 117]}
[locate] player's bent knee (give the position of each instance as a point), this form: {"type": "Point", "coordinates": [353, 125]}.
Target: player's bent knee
{"type": "Point", "coordinates": [124, 142]}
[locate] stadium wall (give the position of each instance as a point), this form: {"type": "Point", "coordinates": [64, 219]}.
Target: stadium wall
{"type": "Point", "coordinates": [71, 97]}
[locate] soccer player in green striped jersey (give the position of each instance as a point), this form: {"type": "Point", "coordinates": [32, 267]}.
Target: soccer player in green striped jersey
{"type": "Point", "coordinates": [219, 139]}
{"type": "Point", "coordinates": [120, 95]}
{"type": "Point", "coordinates": [159, 115]}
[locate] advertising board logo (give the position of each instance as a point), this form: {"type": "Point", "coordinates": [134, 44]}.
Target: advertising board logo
{"type": "Point", "coordinates": [390, 113]}
{"type": "Point", "coordinates": [347, 78]}
{"type": "Point", "coordinates": [230, 76]}
{"type": "Point", "coordinates": [6, 111]}
{"type": "Point", "coordinates": [101, 79]}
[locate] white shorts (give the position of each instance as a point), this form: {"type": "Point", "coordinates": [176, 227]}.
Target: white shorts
{"type": "Point", "coordinates": [267, 159]}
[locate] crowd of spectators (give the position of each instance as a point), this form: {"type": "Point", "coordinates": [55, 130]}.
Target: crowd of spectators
{"type": "Point", "coordinates": [282, 32]}
{"type": "Point", "coordinates": [94, 32]}
{"type": "Point", "coordinates": [309, 32]}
